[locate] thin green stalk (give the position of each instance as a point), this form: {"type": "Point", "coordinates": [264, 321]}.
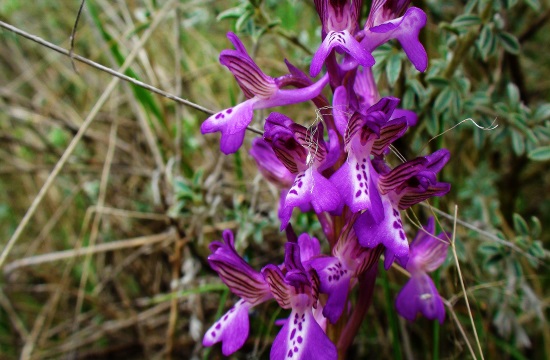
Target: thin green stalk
{"type": "Point", "coordinates": [394, 326]}
{"type": "Point", "coordinates": [436, 327]}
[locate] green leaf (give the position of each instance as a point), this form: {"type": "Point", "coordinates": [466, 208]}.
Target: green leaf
{"type": "Point", "coordinates": [243, 19]}
{"type": "Point", "coordinates": [540, 154]}
{"type": "Point", "coordinates": [393, 69]}
{"type": "Point", "coordinates": [533, 4]}
{"type": "Point", "coordinates": [518, 143]}
{"type": "Point", "coordinates": [520, 225]}
{"type": "Point", "coordinates": [542, 113]}
{"type": "Point", "coordinates": [536, 227]}
{"type": "Point", "coordinates": [489, 249]}
{"type": "Point", "coordinates": [513, 94]}
{"type": "Point", "coordinates": [432, 125]}
{"type": "Point", "coordinates": [537, 249]}
{"type": "Point", "coordinates": [438, 81]}
{"type": "Point", "coordinates": [510, 3]}
{"type": "Point", "coordinates": [443, 100]}
{"type": "Point", "coordinates": [233, 13]}
{"type": "Point", "coordinates": [509, 42]}
{"type": "Point", "coordinates": [466, 20]}
{"type": "Point", "coordinates": [486, 42]}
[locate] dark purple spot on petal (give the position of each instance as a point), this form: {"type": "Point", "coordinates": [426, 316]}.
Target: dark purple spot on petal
{"type": "Point", "coordinates": [330, 278]}
{"type": "Point", "coordinates": [213, 333]}
{"type": "Point", "coordinates": [292, 334]}
{"type": "Point", "coordinates": [364, 160]}
{"type": "Point", "coordinates": [396, 225]}
{"type": "Point", "coordinates": [402, 235]}
{"type": "Point", "coordinates": [290, 353]}
{"type": "Point", "coordinates": [358, 176]}
{"type": "Point", "coordinates": [229, 111]}
{"type": "Point", "coordinates": [358, 193]}
{"type": "Point", "coordinates": [218, 326]}
{"type": "Point", "coordinates": [363, 166]}
{"type": "Point", "coordinates": [300, 184]}
{"type": "Point", "coordinates": [218, 115]}
{"type": "Point", "coordinates": [295, 349]}
{"type": "Point", "coordinates": [300, 339]}
{"type": "Point", "coordinates": [225, 317]}
{"type": "Point", "coordinates": [293, 192]}
{"type": "Point", "coordinates": [357, 166]}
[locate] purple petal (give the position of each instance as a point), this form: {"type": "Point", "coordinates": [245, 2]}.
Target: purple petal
{"type": "Point", "coordinates": [279, 288]}
{"type": "Point", "coordinates": [340, 109]}
{"type": "Point", "coordinates": [269, 165]}
{"type": "Point", "coordinates": [341, 40]}
{"type": "Point", "coordinates": [427, 251]}
{"type": "Point", "coordinates": [284, 97]}
{"type": "Point", "coordinates": [355, 184]}
{"type": "Point", "coordinates": [411, 116]}
{"type": "Point", "coordinates": [406, 30]}
{"type": "Point", "coordinates": [250, 78]}
{"type": "Point", "coordinates": [412, 196]}
{"type": "Point", "coordinates": [236, 273]}
{"type": "Point", "coordinates": [301, 338]}
{"type": "Point", "coordinates": [437, 160]}
{"type": "Point", "coordinates": [388, 232]}
{"type": "Point", "coordinates": [230, 121]}
{"type": "Point", "coordinates": [390, 132]}
{"type": "Point", "coordinates": [230, 143]}
{"type": "Point", "coordinates": [231, 329]}
{"type": "Point", "coordinates": [393, 180]}
{"type": "Point", "coordinates": [311, 187]}
{"type": "Point", "coordinates": [420, 295]}
{"type": "Point", "coordinates": [309, 247]}
{"type": "Point", "coordinates": [365, 87]}
{"type": "Point", "coordinates": [334, 280]}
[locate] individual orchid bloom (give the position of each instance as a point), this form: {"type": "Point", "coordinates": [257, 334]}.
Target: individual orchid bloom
{"type": "Point", "coordinates": [232, 328]}
{"type": "Point", "coordinates": [366, 134]}
{"type": "Point", "coordinates": [304, 153]}
{"type": "Point", "coordinates": [338, 273]}
{"type": "Point", "coordinates": [419, 294]}
{"type": "Point", "coordinates": [261, 91]}
{"type": "Point", "coordinates": [400, 188]}
{"type": "Point", "coordinates": [339, 21]}
{"type": "Point", "coordinates": [301, 337]}
{"type": "Point", "coordinates": [385, 22]}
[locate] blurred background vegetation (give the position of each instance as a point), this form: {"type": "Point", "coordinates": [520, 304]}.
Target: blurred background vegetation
{"type": "Point", "coordinates": [113, 262]}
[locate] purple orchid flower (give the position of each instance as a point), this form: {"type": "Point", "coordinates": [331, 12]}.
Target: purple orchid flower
{"type": "Point", "coordinates": [366, 134]}
{"type": "Point", "coordinates": [420, 294]}
{"type": "Point", "coordinates": [232, 328]}
{"type": "Point", "coordinates": [385, 22]}
{"type": "Point", "coordinates": [305, 154]}
{"type": "Point", "coordinates": [301, 337]}
{"type": "Point", "coordinates": [406, 185]}
{"type": "Point", "coordinates": [339, 20]}
{"type": "Point", "coordinates": [338, 273]}
{"type": "Point", "coordinates": [262, 92]}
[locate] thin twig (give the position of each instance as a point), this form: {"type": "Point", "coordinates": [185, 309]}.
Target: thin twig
{"type": "Point", "coordinates": [119, 74]}
{"type": "Point", "coordinates": [453, 247]}
{"type": "Point", "coordinates": [101, 248]}
{"type": "Point", "coordinates": [73, 35]}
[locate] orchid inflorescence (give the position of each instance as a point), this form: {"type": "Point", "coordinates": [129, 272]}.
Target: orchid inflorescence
{"type": "Point", "coordinates": [342, 175]}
